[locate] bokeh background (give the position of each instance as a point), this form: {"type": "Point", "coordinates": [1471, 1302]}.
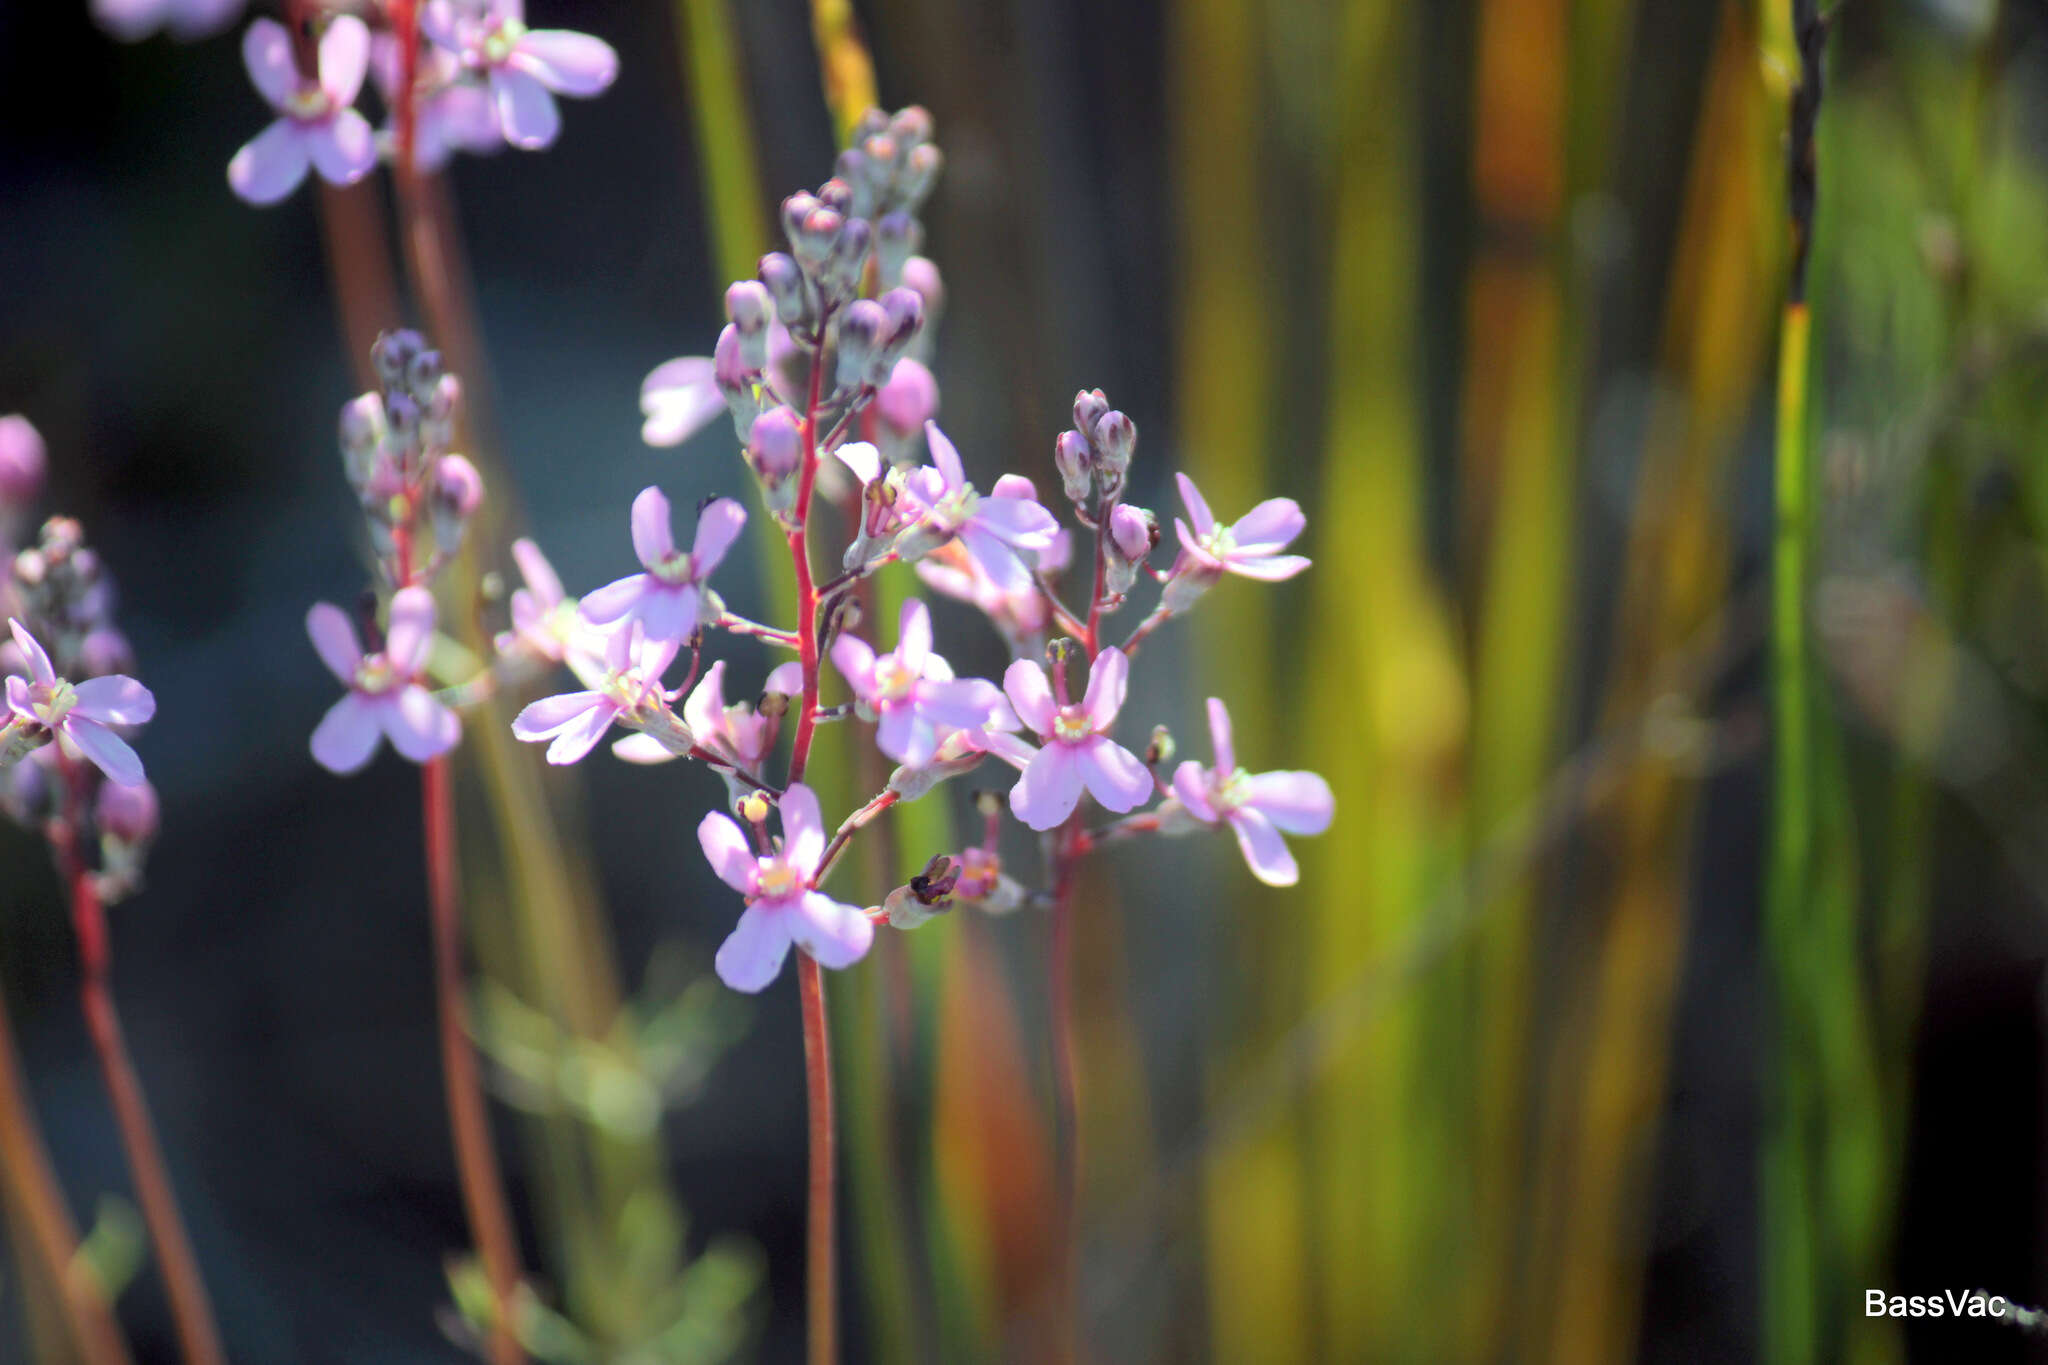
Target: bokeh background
{"type": "Point", "coordinates": [1524, 1069]}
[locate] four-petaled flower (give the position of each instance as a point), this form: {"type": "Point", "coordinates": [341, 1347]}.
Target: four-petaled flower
{"type": "Point", "coordinates": [79, 713]}
{"type": "Point", "coordinates": [576, 721]}
{"type": "Point", "coordinates": [385, 696]}
{"type": "Point", "coordinates": [667, 599]}
{"type": "Point", "coordinates": [316, 125]}
{"type": "Point", "coordinates": [784, 905]}
{"type": "Point", "coordinates": [912, 691]}
{"type": "Point", "coordinates": [1249, 546]}
{"type": "Point", "coordinates": [1256, 806]}
{"type": "Point", "coordinates": [1077, 752]}
{"type": "Point", "coordinates": [526, 68]}
{"type": "Point", "coordinates": [992, 528]}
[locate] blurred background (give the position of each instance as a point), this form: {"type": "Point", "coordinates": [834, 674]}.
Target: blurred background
{"type": "Point", "coordinates": [1525, 1069]}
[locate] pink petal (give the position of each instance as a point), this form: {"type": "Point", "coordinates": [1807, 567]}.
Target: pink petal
{"type": "Point", "coordinates": [644, 750]}
{"type": "Point", "coordinates": [343, 150]}
{"type": "Point", "coordinates": [567, 63]}
{"type": "Point", "coordinates": [1049, 789]}
{"type": "Point", "coordinates": [344, 58]}
{"type": "Point", "coordinates": [965, 703]}
{"type": "Point", "coordinates": [1298, 802]}
{"type": "Point", "coordinates": [788, 679]}
{"type": "Point", "coordinates": [1025, 684]}
{"type": "Point", "coordinates": [863, 459]}
{"type": "Point", "coordinates": [270, 165]}
{"type": "Point", "coordinates": [1266, 568]}
{"type": "Point", "coordinates": [752, 954]}
{"type": "Point", "coordinates": [653, 532]}
{"type": "Point", "coordinates": [32, 650]}
{"type": "Point", "coordinates": [1269, 526]}
{"type": "Point", "coordinates": [679, 398]}
{"type": "Point", "coordinates": [334, 639]}
{"type": "Point", "coordinates": [1264, 850]}
{"type": "Point", "coordinates": [419, 726]}
{"type": "Point", "coordinates": [581, 735]}
{"type": "Point", "coordinates": [718, 526]}
{"type": "Point", "coordinates": [546, 718]}
{"type": "Point", "coordinates": [914, 637]}
{"type": "Point", "coordinates": [855, 660]}
{"type": "Point", "coordinates": [1013, 486]}
{"type": "Point", "coordinates": [410, 633]}
{"type": "Point", "coordinates": [267, 53]}
{"type": "Point", "coordinates": [612, 601]}
{"type": "Point", "coordinates": [704, 708]}
{"type": "Point", "coordinates": [107, 750]}
{"type": "Point", "coordinates": [995, 556]}
{"type": "Point", "coordinates": [18, 699]}
{"type": "Point", "coordinates": [1219, 737]}
{"type": "Point", "coordinates": [1018, 521]}
{"type": "Point", "coordinates": [803, 828]}
{"type": "Point", "coordinates": [727, 850]}
{"type": "Point", "coordinates": [1191, 785]}
{"type": "Point", "coordinates": [1108, 678]}
{"type": "Point", "coordinates": [836, 935]}
{"type": "Point", "coordinates": [903, 736]}
{"type": "Point", "coordinates": [525, 109]}
{"type": "Point", "coordinates": [1198, 509]}
{"type": "Point", "coordinates": [945, 456]}
{"type": "Point", "coordinates": [114, 700]}
{"type": "Point", "coordinates": [670, 612]}
{"type": "Point", "coordinates": [1114, 775]}
{"type": "Point", "coordinates": [538, 573]}
{"type": "Point", "coordinates": [1008, 748]}
{"type": "Point", "coordinates": [347, 736]}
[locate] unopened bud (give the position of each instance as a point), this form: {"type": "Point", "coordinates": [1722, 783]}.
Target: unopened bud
{"type": "Point", "coordinates": [908, 400]}
{"type": "Point", "coordinates": [897, 238]}
{"type": "Point", "coordinates": [911, 125]}
{"type": "Point", "coordinates": [749, 304]}
{"type": "Point", "coordinates": [362, 434]}
{"type": "Point", "coordinates": [922, 274]}
{"type": "Point", "coordinates": [920, 172]}
{"type": "Point", "coordinates": [837, 195]}
{"type": "Point", "coordinates": [784, 282]}
{"type": "Point", "coordinates": [23, 462]}
{"type": "Point", "coordinates": [1133, 531]}
{"type": "Point", "coordinates": [393, 354]}
{"type": "Point", "coordinates": [840, 273]}
{"type": "Point", "coordinates": [129, 814]}
{"type": "Point", "coordinates": [1074, 459]}
{"type": "Point", "coordinates": [795, 210]}
{"type": "Point", "coordinates": [775, 444]}
{"type": "Point", "coordinates": [863, 328]}
{"type": "Point", "coordinates": [1116, 438]}
{"type": "Point", "coordinates": [423, 375]}
{"type": "Point", "coordinates": [457, 493]}
{"type": "Point", "coordinates": [1090, 407]}
{"type": "Point", "coordinates": [1161, 749]}
{"type": "Point", "coordinates": [105, 650]}
{"type": "Point", "coordinates": [905, 308]}
{"type": "Point", "coordinates": [816, 234]}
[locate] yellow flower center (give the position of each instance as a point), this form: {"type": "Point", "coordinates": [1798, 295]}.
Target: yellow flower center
{"type": "Point", "coordinates": [892, 680]}
{"type": "Point", "coordinates": [1072, 724]}
{"type": "Point", "coordinates": [53, 702]}
{"type": "Point", "coordinates": [778, 880]}
{"type": "Point", "coordinates": [375, 674]}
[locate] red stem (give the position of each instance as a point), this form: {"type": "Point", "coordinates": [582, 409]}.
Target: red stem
{"type": "Point", "coordinates": [469, 1121]}
{"type": "Point", "coordinates": [191, 1313]}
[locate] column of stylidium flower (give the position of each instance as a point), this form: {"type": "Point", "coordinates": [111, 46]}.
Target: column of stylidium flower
{"type": "Point", "coordinates": [481, 80]}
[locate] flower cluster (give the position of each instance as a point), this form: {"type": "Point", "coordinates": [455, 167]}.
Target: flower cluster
{"type": "Point", "coordinates": [65, 761]}
{"type": "Point", "coordinates": [822, 371]}
{"type": "Point", "coordinates": [471, 76]}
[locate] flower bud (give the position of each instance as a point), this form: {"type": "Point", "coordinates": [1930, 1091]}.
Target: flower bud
{"type": "Point", "coordinates": [922, 274]}
{"type": "Point", "coordinates": [1116, 438]}
{"type": "Point", "coordinates": [816, 234]}
{"type": "Point", "coordinates": [393, 354]}
{"type": "Point", "coordinates": [853, 169]}
{"type": "Point", "coordinates": [905, 308]}
{"type": "Point", "coordinates": [457, 492]}
{"type": "Point", "coordinates": [22, 462]}
{"type": "Point", "coordinates": [129, 814]}
{"type": "Point", "coordinates": [423, 375]}
{"type": "Point", "coordinates": [749, 305]}
{"type": "Point", "coordinates": [784, 282]}
{"type": "Point", "coordinates": [1090, 407]}
{"type": "Point", "coordinates": [911, 125]}
{"type": "Point", "coordinates": [775, 444]}
{"type": "Point", "coordinates": [105, 650]}
{"type": "Point", "coordinates": [795, 210]}
{"type": "Point", "coordinates": [362, 435]}
{"type": "Point", "coordinates": [1076, 462]}
{"type": "Point", "coordinates": [897, 238]}
{"type": "Point", "coordinates": [863, 328]}
{"type": "Point", "coordinates": [402, 415]}
{"type": "Point", "coordinates": [729, 367]}
{"type": "Point", "coordinates": [1133, 531]}
{"type": "Point", "coordinates": [920, 173]}
{"type": "Point", "coordinates": [839, 275]}
{"type": "Point", "coordinates": [908, 400]}
{"type": "Point", "coordinates": [837, 195]}
{"type": "Point", "coordinates": [870, 122]}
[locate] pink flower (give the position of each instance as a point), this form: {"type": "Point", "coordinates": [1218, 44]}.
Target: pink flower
{"type": "Point", "coordinates": [1021, 615]}
{"type": "Point", "coordinates": [993, 529]}
{"type": "Point", "coordinates": [1077, 753]}
{"type": "Point", "coordinates": [526, 68]}
{"type": "Point", "coordinates": [132, 20]}
{"type": "Point", "coordinates": [1257, 806]}
{"type": "Point", "coordinates": [544, 619]}
{"type": "Point", "coordinates": [679, 399]}
{"type": "Point", "coordinates": [451, 113]}
{"type": "Point", "coordinates": [783, 904]}
{"type": "Point", "coordinates": [912, 691]}
{"type": "Point", "coordinates": [576, 721]}
{"type": "Point", "coordinates": [1250, 546]}
{"type": "Point", "coordinates": [385, 697]}
{"type": "Point", "coordinates": [22, 462]}
{"type": "Point", "coordinates": [316, 126]}
{"type": "Point", "coordinates": [79, 713]}
{"type": "Point", "coordinates": [668, 598]}
{"type": "Point", "coordinates": [737, 733]}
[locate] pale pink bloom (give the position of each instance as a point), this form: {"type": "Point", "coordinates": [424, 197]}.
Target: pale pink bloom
{"type": "Point", "coordinates": [994, 529]}
{"type": "Point", "coordinates": [1250, 546]}
{"type": "Point", "coordinates": [911, 691]}
{"type": "Point", "coordinates": [668, 598]}
{"type": "Point", "coordinates": [385, 696]}
{"type": "Point", "coordinates": [132, 20]}
{"type": "Point", "coordinates": [1077, 753]}
{"type": "Point", "coordinates": [316, 126]}
{"type": "Point", "coordinates": [783, 903]}
{"type": "Point", "coordinates": [575, 721]}
{"type": "Point", "coordinates": [79, 713]}
{"type": "Point", "coordinates": [1256, 806]}
{"type": "Point", "coordinates": [679, 399]}
{"type": "Point", "coordinates": [1021, 614]}
{"type": "Point", "coordinates": [525, 68]}
{"type": "Point", "coordinates": [544, 619]}
{"type": "Point", "coordinates": [451, 113]}
{"type": "Point", "coordinates": [737, 733]}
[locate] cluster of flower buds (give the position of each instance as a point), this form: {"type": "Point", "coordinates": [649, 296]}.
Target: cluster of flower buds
{"type": "Point", "coordinates": [480, 79]}
{"type": "Point", "coordinates": [395, 451]}
{"type": "Point", "coordinates": [64, 756]}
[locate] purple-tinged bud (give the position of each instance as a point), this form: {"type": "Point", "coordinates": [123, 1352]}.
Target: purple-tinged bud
{"type": "Point", "coordinates": [729, 368]}
{"type": "Point", "coordinates": [883, 152]}
{"type": "Point", "coordinates": [897, 238]}
{"type": "Point", "coordinates": [393, 354]}
{"type": "Point", "coordinates": [908, 400]}
{"type": "Point", "coordinates": [362, 435]}
{"type": "Point", "coordinates": [851, 169]}
{"type": "Point", "coordinates": [1090, 407]}
{"type": "Point", "coordinates": [1116, 438]}
{"type": "Point", "coordinates": [837, 195]}
{"type": "Point", "coordinates": [815, 236]}
{"type": "Point", "coordinates": [863, 328]}
{"type": "Point", "coordinates": [871, 121]}
{"type": "Point", "coordinates": [775, 445]}
{"type": "Point", "coordinates": [839, 275]}
{"type": "Point", "coordinates": [920, 172]}
{"type": "Point", "coordinates": [1133, 531]}
{"type": "Point", "coordinates": [1074, 459]}
{"type": "Point", "coordinates": [457, 493]}
{"type": "Point", "coordinates": [905, 308]}
{"type": "Point", "coordinates": [129, 814]}
{"type": "Point", "coordinates": [911, 125]}
{"type": "Point", "coordinates": [423, 375]}
{"type": "Point", "coordinates": [795, 209]}
{"type": "Point", "coordinates": [922, 274]}
{"type": "Point", "coordinates": [402, 414]}
{"type": "Point", "coordinates": [749, 305]}
{"type": "Point", "coordinates": [437, 420]}
{"type": "Point", "coordinates": [784, 282]}
{"type": "Point", "coordinates": [23, 462]}
{"type": "Point", "coordinates": [105, 651]}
